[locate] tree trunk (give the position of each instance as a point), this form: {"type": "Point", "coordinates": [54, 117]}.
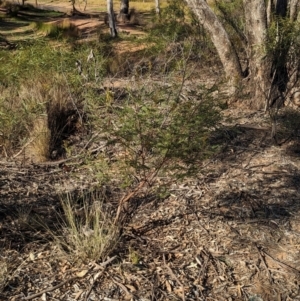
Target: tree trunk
{"type": "Point", "coordinates": [256, 27]}
{"type": "Point", "coordinates": [220, 39]}
{"type": "Point", "coordinates": [111, 19]}
{"type": "Point", "coordinates": [157, 7]}
{"type": "Point", "coordinates": [123, 15]}
{"type": "Point", "coordinates": [270, 69]}
{"type": "Point", "coordinates": [294, 9]}
{"type": "Point", "coordinates": [124, 7]}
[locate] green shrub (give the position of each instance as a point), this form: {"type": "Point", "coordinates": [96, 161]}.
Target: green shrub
{"type": "Point", "coordinates": [155, 129]}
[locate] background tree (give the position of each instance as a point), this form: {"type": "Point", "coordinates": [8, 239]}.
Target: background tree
{"type": "Point", "coordinates": [157, 6]}
{"type": "Point", "coordinates": [111, 19]}
{"type": "Point", "coordinates": [124, 9]}
{"type": "Point", "coordinates": [269, 46]}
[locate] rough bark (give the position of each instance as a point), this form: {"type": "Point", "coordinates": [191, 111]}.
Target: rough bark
{"type": "Point", "coordinates": [294, 7]}
{"type": "Point", "coordinates": [111, 19]}
{"type": "Point", "coordinates": [220, 39]}
{"type": "Point", "coordinates": [256, 30]}
{"type": "Point", "coordinates": [269, 69]}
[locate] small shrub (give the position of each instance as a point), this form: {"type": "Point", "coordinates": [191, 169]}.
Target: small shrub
{"type": "Point", "coordinates": [155, 130]}
{"type": "Point", "coordinates": [173, 22]}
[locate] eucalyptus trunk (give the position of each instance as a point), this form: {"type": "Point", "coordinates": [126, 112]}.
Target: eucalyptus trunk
{"type": "Point", "coordinates": [220, 39]}
{"type": "Point", "coordinates": [259, 65]}
{"type": "Point", "coordinates": [294, 6]}
{"type": "Point", "coordinates": [157, 6]}
{"type": "Point", "coordinates": [111, 19]}
{"type": "Point", "coordinates": [124, 9]}
{"type": "Point", "coordinates": [271, 72]}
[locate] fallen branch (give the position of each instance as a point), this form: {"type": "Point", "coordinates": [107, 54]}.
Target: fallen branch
{"type": "Point", "coordinates": [282, 263]}
{"type": "Point", "coordinates": [175, 277]}
{"type": "Point", "coordinates": [264, 262]}
{"type": "Point", "coordinates": [50, 289]}
{"type": "Point", "coordinates": [92, 285]}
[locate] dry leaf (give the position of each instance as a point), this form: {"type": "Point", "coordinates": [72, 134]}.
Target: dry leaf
{"type": "Point", "coordinates": [31, 256]}
{"type": "Point", "coordinates": [81, 273]}
{"type": "Point", "coordinates": [131, 287]}
{"type": "Point", "coordinates": [179, 292]}
{"type": "Point", "coordinates": [78, 294]}
{"type": "Point", "coordinates": [168, 285]}
{"type": "Point", "coordinates": [64, 268]}
{"type": "Point", "coordinates": [239, 292]}
{"type": "Point", "coordinates": [44, 297]}
{"type": "Point", "coordinates": [40, 255]}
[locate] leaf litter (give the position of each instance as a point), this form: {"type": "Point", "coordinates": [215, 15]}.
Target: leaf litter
{"type": "Point", "coordinates": [232, 233]}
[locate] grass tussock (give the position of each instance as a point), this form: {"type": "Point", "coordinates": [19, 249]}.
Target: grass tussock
{"type": "Point", "coordinates": [38, 148]}
{"type": "Point", "coordinates": [60, 29]}
{"type": "Point", "coordinates": [38, 117]}
{"type": "Point", "coordinates": [88, 229]}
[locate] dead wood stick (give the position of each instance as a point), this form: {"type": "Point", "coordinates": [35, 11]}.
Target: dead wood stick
{"type": "Point", "coordinates": [49, 289]}
{"type": "Point", "coordinates": [175, 277]}
{"type": "Point", "coordinates": [123, 287]}
{"type": "Point", "coordinates": [92, 285]}
{"type": "Point", "coordinates": [109, 260]}
{"type": "Point", "coordinates": [126, 198]}
{"type": "Point", "coordinates": [102, 265]}
{"type": "Point", "coordinates": [282, 263]}
{"type": "Point", "coordinates": [264, 262]}
{"type": "Point", "coordinates": [131, 194]}
{"type": "Point", "coordinates": [21, 150]}
{"type": "Point", "coordinates": [54, 163]}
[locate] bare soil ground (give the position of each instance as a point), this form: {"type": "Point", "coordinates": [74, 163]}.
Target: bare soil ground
{"type": "Point", "coordinates": [231, 233]}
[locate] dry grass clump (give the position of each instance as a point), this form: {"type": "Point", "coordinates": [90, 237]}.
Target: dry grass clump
{"type": "Point", "coordinates": [59, 29]}
{"type": "Point", "coordinates": [20, 109]}
{"type": "Point", "coordinates": [37, 118]}
{"type": "Point", "coordinates": [88, 230]}
{"type": "Point", "coordinates": [38, 148]}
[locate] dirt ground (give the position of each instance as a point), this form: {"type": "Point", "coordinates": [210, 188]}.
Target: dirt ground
{"type": "Point", "coordinates": [231, 233]}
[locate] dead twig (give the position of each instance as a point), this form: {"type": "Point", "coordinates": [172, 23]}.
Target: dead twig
{"type": "Point", "coordinates": [50, 289]}
{"type": "Point", "coordinates": [264, 262]}
{"type": "Point", "coordinates": [96, 276]}
{"type": "Point", "coordinates": [21, 150]}
{"type": "Point", "coordinates": [123, 287]}
{"type": "Point", "coordinates": [282, 263]}
{"type": "Point", "coordinates": [102, 265]}
{"type": "Point", "coordinates": [175, 277]}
